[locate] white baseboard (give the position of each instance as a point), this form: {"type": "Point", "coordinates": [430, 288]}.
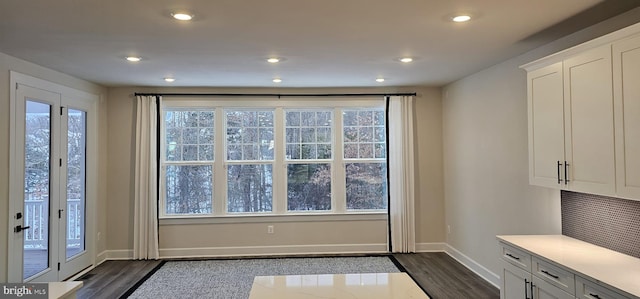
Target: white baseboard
{"type": "Point", "coordinates": [271, 250]}
{"type": "Point", "coordinates": [122, 254]}
{"type": "Point", "coordinates": [430, 247]}
{"type": "Point", "coordinates": [478, 269]}
{"type": "Point", "coordinates": [101, 258]}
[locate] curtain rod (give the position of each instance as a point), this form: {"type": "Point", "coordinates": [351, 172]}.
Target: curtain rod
{"type": "Point", "coordinates": [278, 95]}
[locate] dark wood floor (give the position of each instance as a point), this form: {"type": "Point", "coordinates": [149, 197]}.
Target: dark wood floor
{"type": "Point", "coordinates": [437, 273]}
{"type": "Point", "coordinates": [443, 277]}
{"type": "Point", "coordinates": [112, 279]}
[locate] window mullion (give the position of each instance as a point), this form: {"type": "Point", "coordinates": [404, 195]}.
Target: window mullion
{"type": "Point", "coordinates": [339, 192]}
{"type": "Point", "coordinates": [279, 167]}
{"type": "Point", "coordinates": [220, 171]}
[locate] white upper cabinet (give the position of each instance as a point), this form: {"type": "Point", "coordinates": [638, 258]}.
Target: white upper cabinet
{"type": "Point", "coordinates": [571, 137]}
{"type": "Point", "coordinates": [626, 80]}
{"type": "Point", "coordinates": [546, 126]}
{"type": "Point", "coordinates": [584, 117]}
{"type": "Point", "coordinates": [589, 136]}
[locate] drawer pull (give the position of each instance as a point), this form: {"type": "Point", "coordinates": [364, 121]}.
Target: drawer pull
{"type": "Point", "coordinates": [594, 296]}
{"type": "Point", "coordinates": [549, 274]}
{"type": "Point", "coordinates": [512, 256]}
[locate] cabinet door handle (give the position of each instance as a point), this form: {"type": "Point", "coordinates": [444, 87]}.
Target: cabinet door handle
{"type": "Point", "coordinates": [512, 256]}
{"type": "Point", "coordinates": [549, 274]}
{"type": "Point", "coordinates": [566, 172]}
{"type": "Point", "coordinates": [526, 286]}
{"type": "Point", "coordinates": [594, 295]}
{"type": "Point", "coordinates": [559, 179]}
{"type": "Point", "coordinates": [532, 287]}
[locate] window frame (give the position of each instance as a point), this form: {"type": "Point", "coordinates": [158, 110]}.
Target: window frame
{"type": "Point", "coordinates": [279, 188]}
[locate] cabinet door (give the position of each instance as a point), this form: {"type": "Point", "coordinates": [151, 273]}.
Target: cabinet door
{"type": "Point", "coordinates": [589, 137]}
{"type": "Point", "coordinates": [546, 125]}
{"type": "Point", "coordinates": [626, 75]}
{"type": "Point", "coordinates": [545, 290]}
{"type": "Point", "coordinates": [514, 283]}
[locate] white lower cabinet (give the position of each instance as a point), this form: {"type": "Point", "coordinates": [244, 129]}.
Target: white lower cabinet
{"type": "Point", "coordinates": [515, 282]}
{"type": "Point", "coordinates": [526, 276]}
{"type": "Point", "coordinates": [520, 277]}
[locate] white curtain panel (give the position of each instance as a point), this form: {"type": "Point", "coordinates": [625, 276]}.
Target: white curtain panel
{"type": "Point", "coordinates": [145, 235]}
{"type": "Point", "coordinates": [401, 174]}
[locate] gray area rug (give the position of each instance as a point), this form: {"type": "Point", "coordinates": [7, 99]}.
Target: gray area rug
{"type": "Point", "coordinates": [232, 279]}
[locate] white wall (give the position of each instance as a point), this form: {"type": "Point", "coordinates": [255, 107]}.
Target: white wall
{"type": "Point", "coordinates": [8, 63]}
{"type": "Point", "coordinates": [249, 238]}
{"type": "Point", "coordinates": [486, 159]}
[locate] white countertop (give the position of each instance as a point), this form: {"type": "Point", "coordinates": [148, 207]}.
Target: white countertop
{"type": "Point", "coordinates": [337, 286]}
{"type": "Point", "coordinates": [609, 267]}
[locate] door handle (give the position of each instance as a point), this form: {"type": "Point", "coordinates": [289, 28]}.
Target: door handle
{"type": "Point", "coordinates": [559, 179]}
{"type": "Point", "coordinates": [566, 172]}
{"type": "Point", "coordinates": [20, 228]}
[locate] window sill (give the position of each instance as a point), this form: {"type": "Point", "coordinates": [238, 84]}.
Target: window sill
{"type": "Point", "coordinates": [273, 218]}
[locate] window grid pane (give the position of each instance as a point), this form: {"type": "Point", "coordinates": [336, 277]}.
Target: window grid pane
{"type": "Point", "coordinates": [189, 135]}
{"type": "Point", "coordinates": [250, 135]}
{"type": "Point", "coordinates": [249, 188]}
{"type": "Point", "coordinates": [309, 187]}
{"type": "Point", "coordinates": [364, 134]}
{"type": "Point", "coordinates": [308, 134]}
{"type": "Point", "coordinates": [189, 189]}
{"type": "Point", "coordinates": [366, 186]}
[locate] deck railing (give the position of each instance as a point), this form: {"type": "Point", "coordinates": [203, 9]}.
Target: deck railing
{"type": "Point", "coordinates": [35, 214]}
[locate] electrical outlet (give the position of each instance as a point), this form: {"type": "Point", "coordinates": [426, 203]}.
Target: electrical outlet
{"type": "Point", "coordinates": [448, 229]}
{"type": "Point", "coordinates": [99, 236]}
{"type": "Point", "coordinates": [269, 229]}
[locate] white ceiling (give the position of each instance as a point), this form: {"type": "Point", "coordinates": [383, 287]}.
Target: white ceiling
{"type": "Point", "coordinates": [330, 43]}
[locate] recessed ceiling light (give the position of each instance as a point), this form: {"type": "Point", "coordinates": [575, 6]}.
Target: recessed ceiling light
{"type": "Point", "coordinates": [406, 59]}
{"type": "Point", "coordinates": [273, 60]}
{"type": "Point", "coordinates": [168, 79]}
{"type": "Point", "coordinates": [182, 16]}
{"type": "Point", "coordinates": [277, 80]}
{"type": "Point", "coordinates": [380, 80]}
{"type": "Point", "coordinates": [133, 58]}
{"type": "Point", "coordinates": [461, 18]}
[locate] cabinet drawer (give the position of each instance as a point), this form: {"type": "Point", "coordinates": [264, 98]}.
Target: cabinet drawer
{"type": "Point", "coordinates": [555, 275]}
{"type": "Point", "coordinates": [543, 289]}
{"type": "Point", "coordinates": [586, 289]}
{"type": "Point", "coordinates": [516, 256]}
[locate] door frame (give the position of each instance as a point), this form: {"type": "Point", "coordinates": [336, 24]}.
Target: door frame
{"type": "Point", "coordinates": [15, 185]}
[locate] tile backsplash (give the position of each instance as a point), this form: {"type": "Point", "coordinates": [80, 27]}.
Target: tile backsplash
{"type": "Point", "coordinates": [609, 222]}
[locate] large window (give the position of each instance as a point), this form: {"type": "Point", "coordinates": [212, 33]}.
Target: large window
{"type": "Point", "coordinates": [264, 157]}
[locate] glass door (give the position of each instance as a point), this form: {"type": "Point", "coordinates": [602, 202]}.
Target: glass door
{"type": "Point", "coordinates": [49, 224]}
{"type": "Point", "coordinates": [73, 248]}
{"type": "Point", "coordinates": [40, 181]}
